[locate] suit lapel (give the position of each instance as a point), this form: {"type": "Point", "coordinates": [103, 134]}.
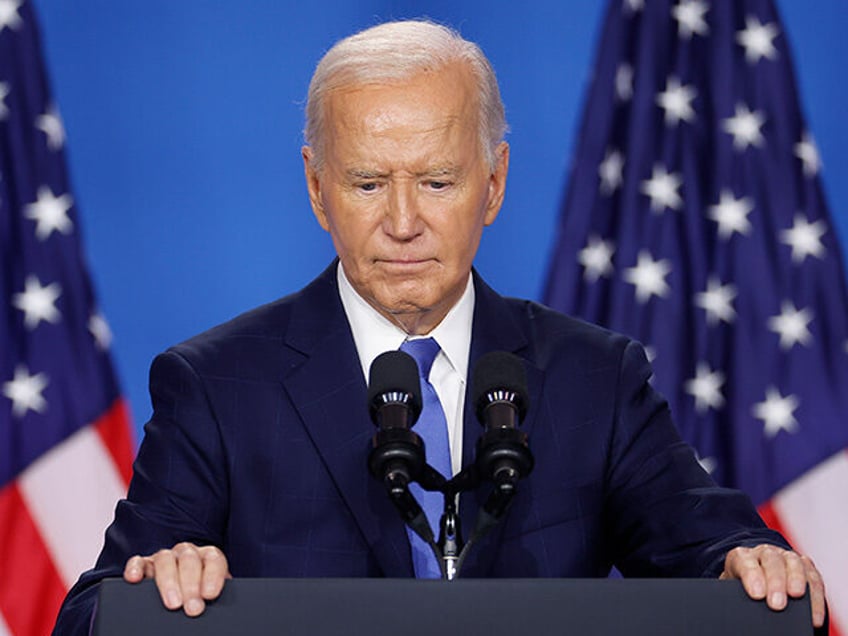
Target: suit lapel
{"type": "Point", "coordinates": [496, 328]}
{"type": "Point", "coordinates": [329, 392]}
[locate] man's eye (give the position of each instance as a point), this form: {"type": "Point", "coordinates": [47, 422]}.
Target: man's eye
{"type": "Point", "coordinates": [439, 185]}
{"type": "Point", "coordinates": [368, 187]}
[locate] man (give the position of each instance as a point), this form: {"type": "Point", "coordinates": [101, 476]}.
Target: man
{"type": "Point", "coordinates": [254, 460]}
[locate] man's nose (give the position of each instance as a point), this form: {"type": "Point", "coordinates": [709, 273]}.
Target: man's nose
{"type": "Point", "coordinates": [403, 219]}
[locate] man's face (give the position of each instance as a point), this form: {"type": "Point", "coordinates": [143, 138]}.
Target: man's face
{"type": "Point", "coordinates": [405, 191]}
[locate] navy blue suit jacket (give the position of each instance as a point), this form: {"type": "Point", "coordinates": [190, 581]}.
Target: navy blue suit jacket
{"type": "Point", "coordinates": [260, 434]}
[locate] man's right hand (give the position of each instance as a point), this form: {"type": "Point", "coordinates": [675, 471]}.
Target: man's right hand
{"type": "Point", "coordinates": [186, 575]}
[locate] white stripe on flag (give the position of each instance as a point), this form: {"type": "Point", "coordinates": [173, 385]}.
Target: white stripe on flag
{"type": "Point", "coordinates": [71, 492]}
{"type": "Point", "coordinates": [814, 511]}
{"type": "Point", "coordinates": [4, 629]}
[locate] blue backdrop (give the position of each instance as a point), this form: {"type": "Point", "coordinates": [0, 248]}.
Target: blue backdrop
{"type": "Point", "coordinates": [184, 130]}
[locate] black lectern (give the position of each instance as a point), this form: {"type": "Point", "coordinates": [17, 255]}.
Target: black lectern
{"type": "Point", "coordinates": [494, 607]}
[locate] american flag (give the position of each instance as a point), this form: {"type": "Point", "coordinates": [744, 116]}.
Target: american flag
{"type": "Point", "coordinates": [65, 443]}
{"type": "Point", "coordinates": [695, 222]}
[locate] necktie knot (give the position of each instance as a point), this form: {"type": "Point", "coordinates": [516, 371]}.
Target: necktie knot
{"type": "Point", "coordinates": [424, 350]}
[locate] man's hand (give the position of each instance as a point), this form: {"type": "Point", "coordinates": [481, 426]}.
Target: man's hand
{"type": "Point", "coordinates": [770, 572]}
{"type": "Point", "coordinates": [187, 575]}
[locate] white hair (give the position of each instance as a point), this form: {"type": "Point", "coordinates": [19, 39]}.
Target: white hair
{"type": "Point", "coordinates": [394, 52]}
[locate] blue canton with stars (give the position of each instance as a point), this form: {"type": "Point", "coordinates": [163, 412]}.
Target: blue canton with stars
{"type": "Point", "coordinates": [55, 372]}
{"type": "Point", "coordinates": [695, 222]}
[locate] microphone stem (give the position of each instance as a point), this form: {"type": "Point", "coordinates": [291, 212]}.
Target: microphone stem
{"type": "Point", "coordinates": [450, 538]}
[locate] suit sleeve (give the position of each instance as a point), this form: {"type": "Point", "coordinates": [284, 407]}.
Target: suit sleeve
{"type": "Point", "coordinates": [666, 515]}
{"type": "Point", "coordinates": [179, 490]}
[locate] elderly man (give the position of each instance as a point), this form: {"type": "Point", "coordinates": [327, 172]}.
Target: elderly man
{"type": "Point", "coordinates": [254, 460]}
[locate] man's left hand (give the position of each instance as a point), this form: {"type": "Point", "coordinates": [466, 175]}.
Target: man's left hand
{"type": "Point", "coordinates": [772, 573]}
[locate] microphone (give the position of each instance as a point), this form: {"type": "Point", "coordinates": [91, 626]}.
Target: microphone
{"type": "Point", "coordinates": [500, 397]}
{"type": "Point", "coordinates": [394, 391]}
{"type": "Point", "coordinates": [394, 403]}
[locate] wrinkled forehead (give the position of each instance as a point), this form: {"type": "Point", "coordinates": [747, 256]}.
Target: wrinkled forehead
{"type": "Point", "coordinates": [444, 96]}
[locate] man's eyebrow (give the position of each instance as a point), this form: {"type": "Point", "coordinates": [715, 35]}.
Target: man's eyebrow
{"type": "Point", "coordinates": [361, 173]}
{"type": "Point", "coordinates": [439, 171]}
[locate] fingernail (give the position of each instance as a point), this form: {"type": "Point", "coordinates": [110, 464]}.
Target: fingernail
{"type": "Point", "coordinates": [758, 589]}
{"type": "Point", "coordinates": [777, 600]}
{"type": "Point", "coordinates": [194, 607]}
{"type": "Point", "coordinates": [174, 599]}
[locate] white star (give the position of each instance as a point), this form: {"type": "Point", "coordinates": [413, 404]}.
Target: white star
{"type": "Point", "coordinates": [705, 387]}
{"type": "Point", "coordinates": [690, 18]}
{"type": "Point", "coordinates": [650, 353]}
{"type": "Point", "coordinates": [99, 328]}
{"type": "Point", "coordinates": [757, 39]}
{"type": "Point", "coordinates": [709, 464]}
{"type": "Point", "coordinates": [791, 324]}
{"type": "Point", "coordinates": [676, 101]}
{"type": "Point", "coordinates": [808, 153]}
{"type": "Point", "coordinates": [648, 276]}
{"type": "Point", "coordinates": [4, 110]}
{"type": "Point", "coordinates": [50, 213]}
{"type": "Point", "coordinates": [777, 412]}
{"type": "Point", "coordinates": [717, 301]}
{"type": "Point", "coordinates": [805, 238]}
{"type": "Point", "coordinates": [25, 392]}
{"type": "Point", "coordinates": [610, 171]}
{"type": "Point", "coordinates": [624, 82]}
{"type": "Point", "coordinates": [9, 14]}
{"type": "Point", "coordinates": [51, 124]}
{"type": "Point", "coordinates": [634, 5]}
{"type": "Point", "coordinates": [38, 303]}
{"type": "Point", "coordinates": [662, 189]}
{"type": "Point", "coordinates": [596, 258]}
{"type": "Point", "coordinates": [731, 214]}
{"type": "Point", "coordinates": [745, 127]}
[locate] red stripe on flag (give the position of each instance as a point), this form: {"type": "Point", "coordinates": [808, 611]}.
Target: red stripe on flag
{"type": "Point", "coordinates": [772, 519]}
{"type": "Point", "coordinates": [770, 516]}
{"type": "Point", "coordinates": [31, 590]}
{"type": "Point", "coordinates": [114, 428]}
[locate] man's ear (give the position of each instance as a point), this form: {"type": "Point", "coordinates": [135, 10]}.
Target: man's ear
{"type": "Point", "coordinates": [313, 186]}
{"type": "Point", "coordinates": [497, 183]}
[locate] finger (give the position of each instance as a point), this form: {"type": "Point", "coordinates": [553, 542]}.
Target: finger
{"type": "Point", "coordinates": [215, 571]}
{"type": "Point", "coordinates": [164, 564]}
{"type": "Point", "coordinates": [817, 594]}
{"type": "Point", "coordinates": [774, 564]}
{"type": "Point", "coordinates": [796, 575]}
{"type": "Point", "coordinates": [134, 569]}
{"type": "Point", "coordinates": [149, 568]}
{"type": "Point", "coordinates": [743, 564]}
{"type": "Point", "coordinates": [189, 572]}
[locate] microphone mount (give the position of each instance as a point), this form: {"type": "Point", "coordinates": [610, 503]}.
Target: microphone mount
{"type": "Point", "coordinates": [397, 456]}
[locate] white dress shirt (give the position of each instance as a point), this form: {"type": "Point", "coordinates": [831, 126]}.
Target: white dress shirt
{"type": "Point", "coordinates": [373, 334]}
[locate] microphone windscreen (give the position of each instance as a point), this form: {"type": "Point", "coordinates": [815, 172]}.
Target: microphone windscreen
{"type": "Point", "coordinates": [394, 372]}
{"type": "Point", "coordinates": [499, 371]}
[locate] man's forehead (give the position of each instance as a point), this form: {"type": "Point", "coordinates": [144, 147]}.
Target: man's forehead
{"type": "Point", "coordinates": [456, 70]}
{"type": "Point", "coordinates": [456, 79]}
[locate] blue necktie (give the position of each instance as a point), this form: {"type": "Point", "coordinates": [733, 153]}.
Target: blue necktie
{"type": "Point", "coordinates": [433, 429]}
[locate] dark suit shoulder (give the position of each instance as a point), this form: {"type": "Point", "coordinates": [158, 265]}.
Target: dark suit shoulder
{"type": "Point", "coordinates": [284, 326]}
{"type": "Point", "coordinates": [552, 335]}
